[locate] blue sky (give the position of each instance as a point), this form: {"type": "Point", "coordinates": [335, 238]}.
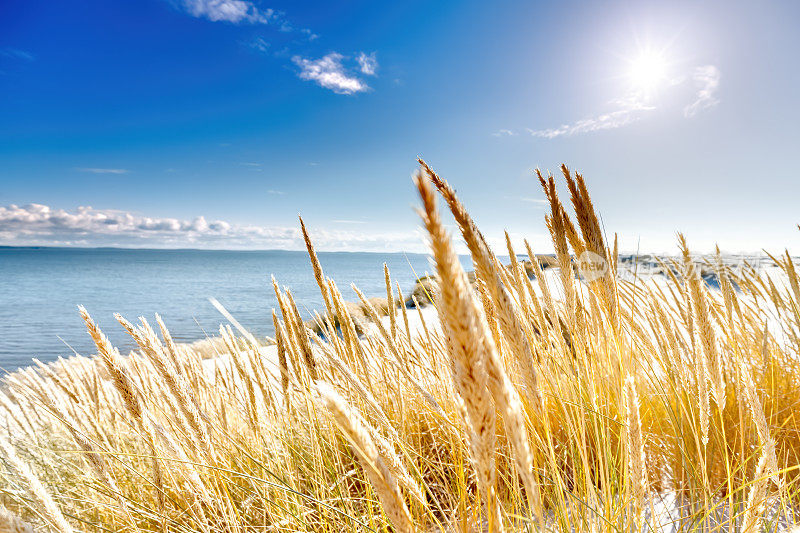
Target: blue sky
{"type": "Point", "coordinates": [213, 123]}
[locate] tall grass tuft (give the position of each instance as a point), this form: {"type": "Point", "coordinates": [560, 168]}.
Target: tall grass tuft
{"type": "Point", "coordinates": [530, 397]}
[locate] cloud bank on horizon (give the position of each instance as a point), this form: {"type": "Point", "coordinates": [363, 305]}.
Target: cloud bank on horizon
{"type": "Point", "coordinates": [41, 225]}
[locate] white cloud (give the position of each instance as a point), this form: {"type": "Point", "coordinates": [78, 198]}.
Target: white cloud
{"type": "Point", "coordinates": [607, 121]}
{"type": "Point", "coordinates": [503, 133]}
{"type": "Point", "coordinates": [328, 72]}
{"type": "Point", "coordinates": [310, 34]}
{"type": "Point", "coordinates": [104, 170]}
{"type": "Point", "coordinates": [273, 191]}
{"type": "Point", "coordinates": [706, 78]}
{"type": "Point", "coordinates": [235, 11]}
{"type": "Point", "coordinates": [628, 110]}
{"type": "Point", "coordinates": [367, 63]}
{"type": "Point", "coordinates": [635, 105]}
{"type": "Point", "coordinates": [534, 200]}
{"type": "Point", "coordinates": [537, 201]}
{"type": "Point", "coordinates": [41, 225]}
{"type": "Point", "coordinates": [259, 44]}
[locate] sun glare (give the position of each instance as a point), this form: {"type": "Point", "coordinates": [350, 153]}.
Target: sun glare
{"type": "Point", "coordinates": [648, 70]}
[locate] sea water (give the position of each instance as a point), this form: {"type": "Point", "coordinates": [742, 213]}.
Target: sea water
{"type": "Point", "coordinates": [40, 289]}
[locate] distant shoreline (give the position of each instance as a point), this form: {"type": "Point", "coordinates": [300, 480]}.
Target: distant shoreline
{"type": "Point", "coordinates": [131, 249]}
{"type": "Point", "coordinates": [640, 254]}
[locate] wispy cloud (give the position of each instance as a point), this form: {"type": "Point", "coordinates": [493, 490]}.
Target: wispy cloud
{"type": "Point", "coordinates": [259, 44]}
{"type": "Point", "coordinates": [504, 133]}
{"type": "Point", "coordinates": [706, 78]}
{"type": "Point", "coordinates": [368, 63]}
{"type": "Point", "coordinates": [244, 12]}
{"type": "Point", "coordinates": [15, 53]}
{"type": "Point", "coordinates": [103, 170]}
{"type": "Point", "coordinates": [235, 11]}
{"type": "Point", "coordinates": [527, 199]}
{"type": "Point", "coordinates": [329, 72]}
{"type": "Point", "coordinates": [627, 110]}
{"type": "Point", "coordinates": [636, 105]}
{"type": "Point", "coordinates": [273, 191]}
{"type": "Point", "coordinates": [539, 201]}
{"type": "Point", "coordinates": [41, 225]}
{"type": "Point", "coordinates": [310, 34]}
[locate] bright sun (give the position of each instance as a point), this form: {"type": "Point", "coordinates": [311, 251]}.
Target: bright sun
{"type": "Point", "coordinates": [648, 70]}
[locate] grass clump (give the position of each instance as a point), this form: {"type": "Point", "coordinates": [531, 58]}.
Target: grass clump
{"type": "Point", "coordinates": [530, 403]}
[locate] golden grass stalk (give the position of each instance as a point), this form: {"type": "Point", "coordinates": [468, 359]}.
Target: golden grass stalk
{"type": "Point", "coordinates": [467, 339]}
{"type": "Point", "coordinates": [11, 523]}
{"type": "Point", "coordinates": [509, 321]}
{"type": "Point", "coordinates": [301, 334]}
{"type": "Point", "coordinates": [751, 521]}
{"type": "Point", "coordinates": [235, 458]}
{"type": "Point", "coordinates": [768, 454]}
{"type": "Point", "coordinates": [637, 461]}
{"type": "Point", "coordinates": [376, 469]}
{"type": "Point", "coordinates": [486, 269]}
{"type": "Point", "coordinates": [283, 363]}
{"type": "Point", "coordinates": [317, 267]}
{"type": "Point", "coordinates": [48, 506]}
{"type": "Point", "coordinates": [131, 397]}
{"type": "Point", "coordinates": [390, 304]}
{"type": "Point", "coordinates": [146, 339]}
{"type": "Point", "coordinates": [557, 223]}
{"type": "Point", "coordinates": [702, 319]}
{"type": "Point", "coordinates": [592, 236]}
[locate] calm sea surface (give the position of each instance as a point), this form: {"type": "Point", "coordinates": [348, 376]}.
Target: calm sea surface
{"type": "Point", "coordinates": [40, 289]}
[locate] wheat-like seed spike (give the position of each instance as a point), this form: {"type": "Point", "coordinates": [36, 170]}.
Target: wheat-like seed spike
{"type": "Point", "coordinates": [317, 267]}
{"type": "Point", "coordinates": [486, 270]}
{"type": "Point", "coordinates": [404, 311]}
{"type": "Point", "coordinates": [637, 463]}
{"type": "Point", "coordinates": [751, 521]}
{"type": "Point", "coordinates": [390, 302]}
{"type": "Point", "coordinates": [146, 339]}
{"type": "Point", "coordinates": [759, 420]}
{"type": "Point", "coordinates": [385, 448]}
{"type": "Point", "coordinates": [112, 361]}
{"type": "Point", "coordinates": [704, 326]}
{"type": "Point", "coordinates": [35, 487]}
{"type": "Point", "coordinates": [466, 337]}
{"type": "Point", "coordinates": [376, 469]}
{"type": "Point", "coordinates": [11, 523]}
{"type": "Point", "coordinates": [282, 362]}
{"type": "Point", "coordinates": [301, 335]}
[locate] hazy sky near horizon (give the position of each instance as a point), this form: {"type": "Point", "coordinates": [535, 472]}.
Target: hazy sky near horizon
{"type": "Point", "coordinates": [213, 123]}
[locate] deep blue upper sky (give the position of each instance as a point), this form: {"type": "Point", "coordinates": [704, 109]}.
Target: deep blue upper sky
{"type": "Point", "coordinates": [124, 122]}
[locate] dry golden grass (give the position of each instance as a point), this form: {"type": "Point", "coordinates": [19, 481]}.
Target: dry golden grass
{"type": "Point", "coordinates": [616, 404]}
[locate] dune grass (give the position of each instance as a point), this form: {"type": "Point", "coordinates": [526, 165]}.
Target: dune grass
{"type": "Point", "coordinates": [616, 404]}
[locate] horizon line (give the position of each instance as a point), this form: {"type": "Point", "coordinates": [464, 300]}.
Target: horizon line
{"type": "Point", "coordinates": [762, 252]}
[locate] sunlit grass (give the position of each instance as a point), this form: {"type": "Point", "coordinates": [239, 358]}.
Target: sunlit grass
{"type": "Point", "coordinates": [551, 403]}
